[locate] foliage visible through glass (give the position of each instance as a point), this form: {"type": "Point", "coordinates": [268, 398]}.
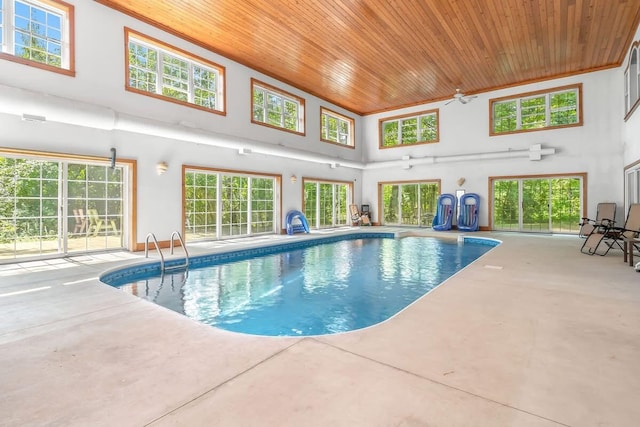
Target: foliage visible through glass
{"type": "Point", "coordinates": [409, 203]}
{"type": "Point", "coordinates": [336, 128]}
{"type": "Point", "coordinates": [182, 79]}
{"type": "Point", "coordinates": [37, 33]}
{"type": "Point", "coordinates": [548, 204]}
{"type": "Point", "coordinates": [536, 112]}
{"type": "Point", "coordinates": [276, 109]}
{"type": "Point", "coordinates": [410, 130]}
{"type": "Point", "coordinates": [32, 222]}
{"type": "Point", "coordinates": [326, 204]}
{"type": "Point", "coordinates": [241, 198]}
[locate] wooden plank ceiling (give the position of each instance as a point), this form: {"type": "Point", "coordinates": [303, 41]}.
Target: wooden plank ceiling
{"type": "Point", "coordinates": [374, 55]}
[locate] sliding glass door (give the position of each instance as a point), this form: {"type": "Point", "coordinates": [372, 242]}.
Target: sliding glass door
{"type": "Point", "coordinates": [221, 205]}
{"type": "Point", "coordinates": [326, 203]}
{"type": "Point", "coordinates": [56, 207]}
{"type": "Point", "coordinates": [538, 204]}
{"type": "Point", "coordinates": [409, 203]}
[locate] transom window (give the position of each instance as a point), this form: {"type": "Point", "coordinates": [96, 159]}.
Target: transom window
{"type": "Point", "coordinates": [163, 71]}
{"type": "Point", "coordinates": [38, 33]}
{"type": "Point", "coordinates": [220, 205]}
{"type": "Point", "coordinates": [559, 107]}
{"type": "Point", "coordinates": [276, 108]}
{"type": "Point", "coordinates": [420, 128]}
{"type": "Point", "coordinates": [336, 128]}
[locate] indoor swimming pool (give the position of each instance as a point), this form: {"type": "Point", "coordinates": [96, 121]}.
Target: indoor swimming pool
{"type": "Point", "coordinates": [316, 287]}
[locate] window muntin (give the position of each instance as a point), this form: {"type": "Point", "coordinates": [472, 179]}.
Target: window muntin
{"type": "Point", "coordinates": [38, 33]}
{"type": "Point", "coordinates": [222, 204]}
{"type": "Point", "coordinates": [557, 107]}
{"type": "Point", "coordinates": [336, 128]}
{"type": "Point", "coordinates": [276, 108]}
{"type": "Point", "coordinates": [420, 128]}
{"type": "Point", "coordinates": [157, 69]}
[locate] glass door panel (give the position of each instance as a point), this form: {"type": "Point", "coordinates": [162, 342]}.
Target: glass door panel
{"type": "Point", "coordinates": [428, 201]}
{"type": "Point", "coordinates": [565, 205]}
{"type": "Point", "coordinates": [311, 203]}
{"type": "Point", "coordinates": [234, 205]}
{"type": "Point", "coordinates": [409, 206]}
{"type": "Point", "coordinates": [506, 211]}
{"type": "Point", "coordinates": [341, 204]}
{"type": "Point", "coordinates": [326, 205]}
{"type": "Point", "coordinates": [29, 217]}
{"type": "Point", "coordinates": [535, 205]}
{"type": "Point", "coordinates": [390, 205]}
{"type": "Point", "coordinates": [95, 196]}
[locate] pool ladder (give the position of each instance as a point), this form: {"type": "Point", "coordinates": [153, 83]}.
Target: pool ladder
{"type": "Point", "coordinates": [174, 235]}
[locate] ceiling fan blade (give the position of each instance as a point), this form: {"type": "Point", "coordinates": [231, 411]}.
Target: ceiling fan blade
{"type": "Point", "coordinates": [449, 102]}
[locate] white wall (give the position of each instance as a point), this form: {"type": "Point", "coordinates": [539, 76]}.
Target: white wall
{"type": "Point", "coordinates": [594, 148]}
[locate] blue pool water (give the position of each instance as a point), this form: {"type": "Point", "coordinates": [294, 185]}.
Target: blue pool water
{"type": "Point", "coordinates": [314, 290]}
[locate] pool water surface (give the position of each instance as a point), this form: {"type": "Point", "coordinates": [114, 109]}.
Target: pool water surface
{"type": "Point", "coordinates": [321, 289]}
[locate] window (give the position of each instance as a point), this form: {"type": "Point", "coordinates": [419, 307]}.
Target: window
{"type": "Point", "coordinates": [223, 204]}
{"type": "Point", "coordinates": [559, 107]}
{"type": "Point", "coordinates": [632, 82]}
{"type": "Point", "coordinates": [336, 128]}
{"type": "Point", "coordinates": [38, 33]}
{"type": "Point", "coordinates": [418, 128]}
{"type": "Point", "coordinates": [326, 203]}
{"type": "Point", "coordinates": [276, 108]}
{"type": "Point", "coordinates": [165, 72]}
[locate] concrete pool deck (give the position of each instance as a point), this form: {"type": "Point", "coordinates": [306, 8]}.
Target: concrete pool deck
{"type": "Point", "coordinates": [534, 333]}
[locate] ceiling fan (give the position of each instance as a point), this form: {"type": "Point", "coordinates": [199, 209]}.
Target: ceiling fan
{"type": "Point", "coordinates": [461, 97]}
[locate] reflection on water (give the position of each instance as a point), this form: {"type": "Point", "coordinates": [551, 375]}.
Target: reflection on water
{"type": "Point", "coordinates": [321, 289]}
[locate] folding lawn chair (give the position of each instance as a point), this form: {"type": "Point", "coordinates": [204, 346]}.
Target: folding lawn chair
{"type": "Point", "coordinates": [604, 211]}
{"type": "Point", "coordinates": [608, 235]}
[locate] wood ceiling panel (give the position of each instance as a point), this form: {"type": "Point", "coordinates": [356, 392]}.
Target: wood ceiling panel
{"type": "Point", "coordinates": [376, 55]}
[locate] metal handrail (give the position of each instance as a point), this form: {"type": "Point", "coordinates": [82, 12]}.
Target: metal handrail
{"type": "Point", "coordinates": [186, 253]}
{"type": "Point", "coordinates": [146, 249]}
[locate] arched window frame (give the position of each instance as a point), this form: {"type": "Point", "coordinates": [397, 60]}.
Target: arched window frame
{"type": "Point", "coordinates": [632, 81]}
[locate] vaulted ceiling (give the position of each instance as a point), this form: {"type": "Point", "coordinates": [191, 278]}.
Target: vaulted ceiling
{"type": "Point", "coordinates": [375, 55]}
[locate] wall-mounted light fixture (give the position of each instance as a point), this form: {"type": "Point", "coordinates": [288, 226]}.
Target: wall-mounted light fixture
{"type": "Point", "coordinates": [293, 179]}
{"type": "Point", "coordinates": [244, 151]}
{"type": "Point", "coordinates": [162, 167]}
{"type": "Point", "coordinates": [113, 158]}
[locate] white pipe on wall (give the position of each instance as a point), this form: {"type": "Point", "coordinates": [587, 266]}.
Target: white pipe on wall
{"type": "Point", "coordinates": [29, 104]}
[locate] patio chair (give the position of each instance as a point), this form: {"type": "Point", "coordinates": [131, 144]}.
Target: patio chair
{"type": "Point", "coordinates": [608, 235]}
{"type": "Point", "coordinates": [81, 221]}
{"type": "Point", "coordinates": [98, 224]}
{"type": "Point", "coordinates": [446, 207]}
{"type": "Point", "coordinates": [604, 211]}
{"type": "Point", "coordinates": [357, 217]}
